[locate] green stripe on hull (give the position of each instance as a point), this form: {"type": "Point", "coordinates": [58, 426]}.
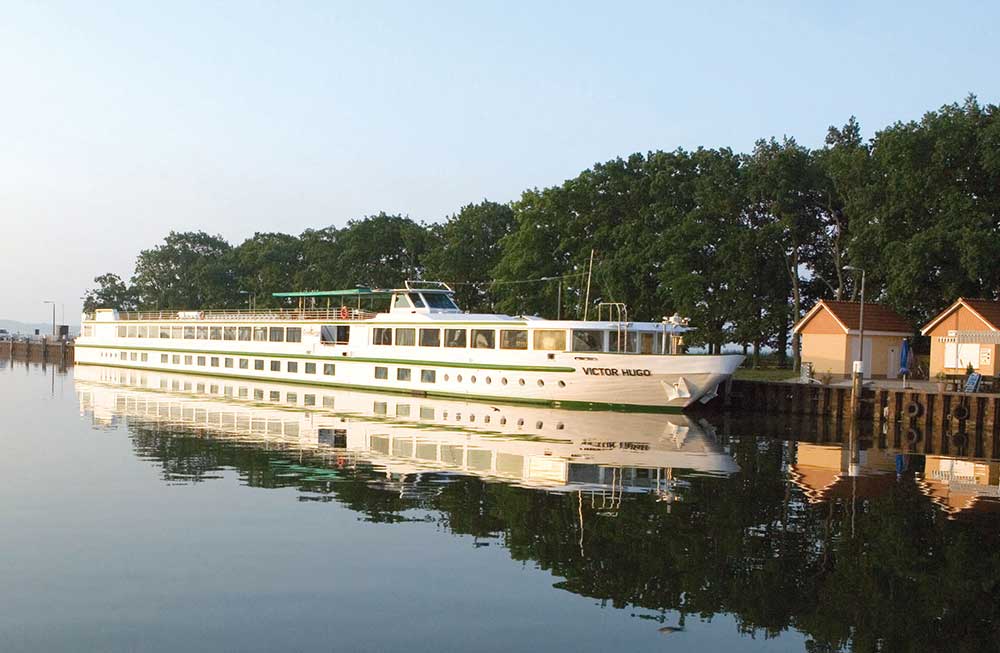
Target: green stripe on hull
{"type": "Point", "coordinates": [338, 359]}
{"type": "Point", "coordinates": [552, 403]}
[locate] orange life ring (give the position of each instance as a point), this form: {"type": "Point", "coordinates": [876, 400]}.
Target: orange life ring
{"type": "Point", "coordinates": [344, 313]}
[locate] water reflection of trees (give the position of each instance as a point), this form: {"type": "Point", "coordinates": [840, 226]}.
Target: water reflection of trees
{"type": "Point", "coordinates": [889, 573]}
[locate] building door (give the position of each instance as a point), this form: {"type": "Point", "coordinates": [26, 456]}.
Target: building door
{"type": "Point", "coordinates": [892, 370]}
{"type": "Point", "coordinates": [867, 368]}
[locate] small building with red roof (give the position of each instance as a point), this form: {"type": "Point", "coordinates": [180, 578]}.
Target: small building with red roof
{"type": "Point", "coordinates": [966, 333]}
{"type": "Point", "coordinates": [830, 333]}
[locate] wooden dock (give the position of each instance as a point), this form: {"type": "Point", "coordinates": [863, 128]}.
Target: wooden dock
{"type": "Point", "coordinates": [921, 421]}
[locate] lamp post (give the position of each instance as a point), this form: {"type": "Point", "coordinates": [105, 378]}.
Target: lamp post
{"type": "Point", "coordinates": [49, 301]}
{"type": "Point", "coordinates": [861, 316]}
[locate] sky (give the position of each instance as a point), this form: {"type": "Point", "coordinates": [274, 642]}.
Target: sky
{"type": "Point", "coordinates": [121, 121]}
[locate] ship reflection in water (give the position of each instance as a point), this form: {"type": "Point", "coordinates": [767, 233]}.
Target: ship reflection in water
{"type": "Point", "coordinates": [409, 439]}
{"type": "Point", "coordinates": [722, 536]}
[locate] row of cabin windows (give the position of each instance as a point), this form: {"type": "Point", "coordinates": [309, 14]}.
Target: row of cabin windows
{"type": "Point", "coordinates": [430, 376]}
{"type": "Point", "coordinates": [328, 369]}
{"type": "Point", "coordinates": [541, 339]}
{"type": "Point", "coordinates": [243, 392]}
{"type": "Point", "coordinates": [191, 332]}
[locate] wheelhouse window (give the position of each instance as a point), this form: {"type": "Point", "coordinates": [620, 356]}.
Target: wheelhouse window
{"type": "Point", "coordinates": [454, 338]}
{"type": "Point", "coordinates": [484, 339]}
{"type": "Point", "coordinates": [439, 300]}
{"type": "Point", "coordinates": [588, 340]}
{"type": "Point", "coordinates": [513, 339]}
{"type": "Point", "coordinates": [406, 337]}
{"type": "Point", "coordinates": [276, 334]}
{"type": "Point", "coordinates": [430, 337]}
{"type": "Point", "coordinates": [549, 339]}
{"type": "Point", "coordinates": [400, 301]}
{"type": "Point", "coordinates": [293, 334]}
{"type": "Point", "coordinates": [418, 302]}
{"type": "Point", "coordinates": [381, 336]}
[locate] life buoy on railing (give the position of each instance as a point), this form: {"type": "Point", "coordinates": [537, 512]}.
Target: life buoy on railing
{"type": "Point", "coordinates": [344, 312]}
{"type": "Point", "coordinates": [959, 440]}
{"type": "Point", "coordinates": [960, 412]}
{"type": "Point", "coordinates": [914, 409]}
{"type": "Point", "coordinates": [912, 435]}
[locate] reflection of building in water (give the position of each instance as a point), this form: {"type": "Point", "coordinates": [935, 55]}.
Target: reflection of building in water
{"type": "Point", "coordinates": [824, 472]}
{"type": "Point", "coordinates": [410, 436]}
{"type": "Point", "coordinates": [961, 486]}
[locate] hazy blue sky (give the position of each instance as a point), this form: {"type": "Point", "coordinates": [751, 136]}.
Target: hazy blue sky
{"type": "Point", "coordinates": [121, 121]}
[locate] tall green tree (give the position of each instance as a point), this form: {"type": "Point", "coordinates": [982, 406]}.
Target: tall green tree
{"type": "Point", "coordinates": [111, 292]}
{"type": "Point", "coordinates": [189, 270]}
{"type": "Point", "coordinates": [267, 263]}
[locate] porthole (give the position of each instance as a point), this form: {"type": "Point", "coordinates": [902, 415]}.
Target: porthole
{"type": "Point", "coordinates": [503, 421]}
{"type": "Point", "coordinates": [472, 418]}
{"type": "Point", "coordinates": [446, 377]}
{"type": "Point", "coordinates": [459, 378]}
{"type": "Point", "coordinates": [562, 384]}
{"type": "Point", "coordinates": [486, 419]}
{"type": "Point", "coordinates": [520, 422]}
{"type": "Point", "coordinates": [560, 426]}
{"type": "Point", "coordinates": [520, 381]}
{"type": "Point", "coordinates": [503, 381]}
{"type": "Point", "coordinates": [538, 424]}
{"type": "Point", "coordinates": [540, 383]}
{"type": "Point", "coordinates": [458, 417]}
{"type": "Point", "coordinates": [489, 380]}
{"type": "Point", "coordinates": [472, 378]}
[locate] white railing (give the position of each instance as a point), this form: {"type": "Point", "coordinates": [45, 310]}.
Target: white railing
{"type": "Point", "coordinates": [245, 315]}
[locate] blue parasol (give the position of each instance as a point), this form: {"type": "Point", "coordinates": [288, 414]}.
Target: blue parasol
{"type": "Point", "coordinates": [904, 358]}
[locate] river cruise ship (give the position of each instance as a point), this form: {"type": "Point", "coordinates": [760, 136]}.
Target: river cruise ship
{"type": "Point", "coordinates": [422, 344]}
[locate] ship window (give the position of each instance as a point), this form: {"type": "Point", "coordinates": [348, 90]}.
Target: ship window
{"type": "Point", "coordinates": [176, 359]}
{"type": "Point", "coordinates": [426, 412]}
{"type": "Point", "coordinates": [403, 374]}
{"type": "Point", "coordinates": [400, 301]}
{"type": "Point", "coordinates": [403, 410]}
{"type": "Point", "coordinates": [588, 340]}
{"type": "Point", "coordinates": [164, 358]}
{"type": "Point", "coordinates": [215, 361]}
{"type": "Point", "coordinates": [439, 300]}
{"type": "Point", "coordinates": [131, 331]}
{"type": "Point", "coordinates": [189, 333]}
{"type": "Point", "coordinates": [144, 357]}
{"type": "Point", "coordinates": [406, 337]}
{"type": "Point", "coordinates": [229, 333]}
{"type": "Point", "coordinates": [201, 360]}
{"type": "Point", "coordinates": [292, 397]}
{"type": "Point", "coordinates": [243, 392]}
{"type": "Point", "coordinates": [381, 336]}
{"type": "Point", "coordinates": [275, 395]}
{"type": "Point", "coordinates": [260, 334]}
{"type": "Point", "coordinates": [215, 333]}
{"type": "Point", "coordinates": [328, 401]}
{"type": "Point", "coordinates": [549, 339]}
{"type": "Point", "coordinates": [229, 362]}
{"type": "Point", "coordinates": [165, 332]}
{"type": "Point", "coordinates": [622, 341]}
{"type": "Point", "coordinates": [122, 330]}
{"type": "Point", "coordinates": [430, 337]}
{"type": "Point", "coordinates": [176, 332]}
{"type": "Point", "coordinates": [417, 301]}
{"type": "Point", "coordinates": [484, 339]}
{"type": "Point", "coordinates": [310, 368]}
{"type": "Point", "coordinates": [258, 364]}
{"type": "Point", "coordinates": [244, 333]}
{"type": "Point", "coordinates": [343, 334]}
{"type": "Point", "coordinates": [308, 400]}
{"type": "Point", "coordinates": [513, 339]}
{"type": "Point", "coordinates": [276, 334]}
{"type": "Point", "coordinates": [381, 372]}
{"type": "Point", "coordinates": [454, 337]}
{"type": "Point", "coordinates": [133, 355]}
{"type": "Point", "coordinates": [428, 376]}
{"type": "Point", "coordinates": [329, 369]}
{"type": "Point", "coordinates": [293, 366]}
{"type": "Point", "coordinates": [244, 364]}
{"type": "Point", "coordinates": [201, 332]}
{"type": "Point", "coordinates": [140, 332]}
{"type": "Point", "coordinates": [275, 366]}
{"type": "Point", "coordinates": [258, 394]}
{"type": "Point", "coordinates": [293, 334]}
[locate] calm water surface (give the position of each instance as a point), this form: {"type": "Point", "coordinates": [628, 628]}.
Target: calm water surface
{"type": "Point", "coordinates": [168, 512]}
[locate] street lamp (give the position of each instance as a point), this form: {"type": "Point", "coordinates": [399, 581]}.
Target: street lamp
{"type": "Point", "coordinates": [49, 301]}
{"type": "Point", "coordinates": [861, 317]}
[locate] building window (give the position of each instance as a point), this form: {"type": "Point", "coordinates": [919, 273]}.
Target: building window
{"type": "Point", "coordinates": [430, 337]}
{"type": "Point", "coordinates": [484, 339]}
{"type": "Point", "coordinates": [549, 339]}
{"type": "Point", "coordinates": [329, 369]}
{"type": "Point", "coordinates": [403, 374]}
{"type": "Point", "coordinates": [406, 337]}
{"type": "Point", "coordinates": [275, 366]}
{"type": "Point", "coordinates": [513, 339]}
{"type": "Point", "coordinates": [215, 361]}
{"type": "Point", "coordinates": [381, 336]}
{"type": "Point", "coordinates": [428, 376]}
{"type": "Point", "coordinates": [258, 364]}
{"type": "Point", "coordinates": [310, 368]}
{"type": "Point", "coordinates": [293, 367]}
{"type": "Point", "coordinates": [454, 337]}
{"type": "Point", "coordinates": [382, 373]}
{"type": "Point", "coordinates": [276, 334]}
{"type": "Point", "coordinates": [293, 334]}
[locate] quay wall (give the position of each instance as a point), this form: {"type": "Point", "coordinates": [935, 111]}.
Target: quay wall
{"type": "Point", "coordinates": [47, 351]}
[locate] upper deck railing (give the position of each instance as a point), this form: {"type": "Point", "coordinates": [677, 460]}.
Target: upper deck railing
{"type": "Point", "coordinates": [245, 315]}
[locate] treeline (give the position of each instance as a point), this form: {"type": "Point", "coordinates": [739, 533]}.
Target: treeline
{"type": "Point", "coordinates": [740, 243]}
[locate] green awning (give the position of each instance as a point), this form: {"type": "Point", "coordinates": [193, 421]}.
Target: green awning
{"type": "Point", "coordinates": [352, 292]}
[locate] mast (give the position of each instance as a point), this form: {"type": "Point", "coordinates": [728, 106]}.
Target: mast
{"type": "Point", "coordinates": [590, 271]}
